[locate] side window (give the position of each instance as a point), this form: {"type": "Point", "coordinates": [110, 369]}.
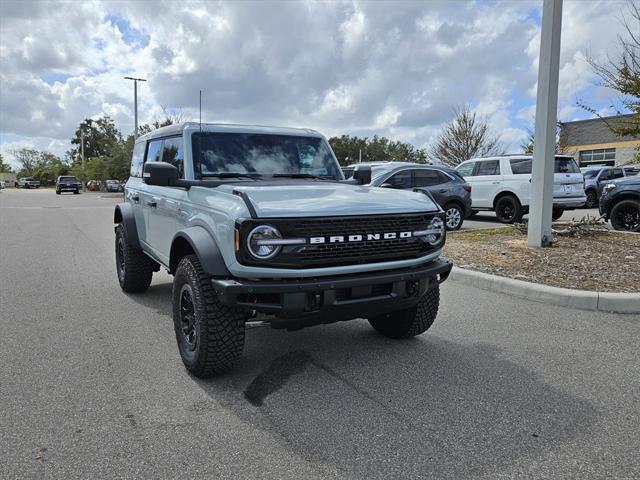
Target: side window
{"type": "Point", "coordinates": [490, 167]}
{"type": "Point", "coordinates": [617, 173]}
{"type": "Point", "coordinates": [400, 180]}
{"type": "Point", "coordinates": [173, 153]}
{"type": "Point", "coordinates": [153, 151]}
{"type": "Point", "coordinates": [520, 166]}
{"type": "Point", "coordinates": [427, 178]}
{"type": "Point", "coordinates": [605, 175]}
{"type": "Point", "coordinates": [466, 170]}
{"type": "Point", "coordinates": [137, 159]}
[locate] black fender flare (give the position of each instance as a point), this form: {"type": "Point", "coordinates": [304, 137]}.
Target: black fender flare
{"type": "Point", "coordinates": [203, 245]}
{"type": "Point", "coordinates": [123, 214]}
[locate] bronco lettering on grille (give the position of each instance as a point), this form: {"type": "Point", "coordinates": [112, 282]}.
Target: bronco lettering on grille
{"type": "Point", "coordinates": [359, 238]}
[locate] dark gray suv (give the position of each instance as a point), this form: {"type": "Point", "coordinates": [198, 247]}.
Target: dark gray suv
{"type": "Point", "coordinates": [444, 184]}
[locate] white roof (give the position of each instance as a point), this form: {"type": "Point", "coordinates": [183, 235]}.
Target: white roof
{"type": "Point", "coordinates": [178, 128]}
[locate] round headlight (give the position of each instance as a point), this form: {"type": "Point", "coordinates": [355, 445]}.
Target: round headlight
{"type": "Point", "coordinates": [259, 239]}
{"type": "Point", "coordinates": [436, 225]}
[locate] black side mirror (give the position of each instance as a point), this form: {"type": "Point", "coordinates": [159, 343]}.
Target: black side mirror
{"type": "Point", "coordinates": [362, 174]}
{"type": "Point", "coordinates": [160, 173]}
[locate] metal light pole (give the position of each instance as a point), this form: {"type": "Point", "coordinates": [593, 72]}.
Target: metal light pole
{"type": "Point", "coordinates": [539, 234]}
{"type": "Point", "coordinates": [135, 101]}
{"type": "Point", "coordinates": [84, 180]}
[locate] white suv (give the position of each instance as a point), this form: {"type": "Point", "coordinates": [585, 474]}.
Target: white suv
{"type": "Point", "coordinates": [503, 184]}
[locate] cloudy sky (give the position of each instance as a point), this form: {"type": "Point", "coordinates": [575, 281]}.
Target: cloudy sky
{"type": "Point", "coordinates": [353, 67]}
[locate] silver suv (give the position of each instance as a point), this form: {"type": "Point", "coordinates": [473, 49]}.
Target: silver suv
{"type": "Point", "coordinates": [259, 226]}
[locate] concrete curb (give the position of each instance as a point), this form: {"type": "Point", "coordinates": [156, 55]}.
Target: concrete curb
{"type": "Point", "coordinates": [565, 297]}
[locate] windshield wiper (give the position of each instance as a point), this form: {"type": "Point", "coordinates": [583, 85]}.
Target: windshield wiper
{"type": "Point", "coordinates": [298, 175]}
{"type": "Point", "coordinates": [233, 175]}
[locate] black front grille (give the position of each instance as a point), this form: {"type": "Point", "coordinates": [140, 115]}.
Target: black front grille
{"type": "Point", "coordinates": [343, 253]}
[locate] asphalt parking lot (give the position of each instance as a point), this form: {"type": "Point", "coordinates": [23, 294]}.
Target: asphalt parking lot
{"type": "Point", "coordinates": [92, 386]}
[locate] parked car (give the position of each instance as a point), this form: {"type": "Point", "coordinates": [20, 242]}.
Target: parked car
{"type": "Point", "coordinates": [93, 185]}
{"type": "Point", "coordinates": [620, 203]}
{"type": "Point", "coordinates": [112, 186]}
{"type": "Point", "coordinates": [596, 178]}
{"type": "Point", "coordinates": [27, 182]}
{"type": "Point", "coordinates": [67, 183]}
{"type": "Point", "coordinates": [2, 184]}
{"type": "Point", "coordinates": [503, 184]}
{"type": "Point", "coordinates": [446, 187]}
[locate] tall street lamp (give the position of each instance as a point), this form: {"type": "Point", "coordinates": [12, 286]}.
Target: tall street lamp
{"type": "Point", "coordinates": [135, 101]}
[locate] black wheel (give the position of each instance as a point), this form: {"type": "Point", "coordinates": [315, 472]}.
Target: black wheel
{"type": "Point", "coordinates": [556, 213]}
{"type": "Point", "coordinates": [210, 335]}
{"type": "Point", "coordinates": [454, 216]}
{"type": "Point", "coordinates": [592, 198]}
{"type": "Point", "coordinates": [625, 215]}
{"type": "Point", "coordinates": [509, 210]}
{"type": "Point", "coordinates": [134, 268]}
{"type": "Point", "coordinates": [76, 192]}
{"type": "Point", "coordinates": [57, 192]}
{"type": "Point", "coordinates": [409, 322]}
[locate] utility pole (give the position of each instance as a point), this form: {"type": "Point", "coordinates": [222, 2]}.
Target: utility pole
{"type": "Point", "coordinates": [539, 232]}
{"type": "Point", "coordinates": [84, 180]}
{"type": "Point", "coordinates": [135, 101]}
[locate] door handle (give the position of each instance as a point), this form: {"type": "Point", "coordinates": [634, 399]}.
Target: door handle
{"type": "Point", "coordinates": [443, 190]}
{"type": "Point", "coordinates": [496, 183]}
{"type": "Point", "coordinates": [151, 203]}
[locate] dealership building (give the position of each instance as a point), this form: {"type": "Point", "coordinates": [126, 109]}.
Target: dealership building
{"type": "Point", "coordinates": [592, 142]}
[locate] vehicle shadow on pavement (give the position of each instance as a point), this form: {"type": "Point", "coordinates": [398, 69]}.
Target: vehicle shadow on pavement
{"type": "Point", "coordinates": [343, 397]}
{"type": "Point", "coordinates": [375, 408]}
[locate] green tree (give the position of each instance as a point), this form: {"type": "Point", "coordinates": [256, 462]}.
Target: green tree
{"type": "Point", "coordinates": [27, 159]}
{"type": "Point", "coordinates": [100, 136]}
{"type": "Point", "coordinates": [348, 150]}
{"type": "Point", "coordinates": [465, 137]}
{"type": "Point", "coordinates": [4, 167]}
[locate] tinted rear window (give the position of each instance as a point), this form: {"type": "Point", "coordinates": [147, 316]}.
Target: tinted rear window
{"type": "Point", "coordinates": [590, 173]}
{"type": "Point", "coordinates": [68, 179]}
{"type": "Point", "coordinates": [566, 165]}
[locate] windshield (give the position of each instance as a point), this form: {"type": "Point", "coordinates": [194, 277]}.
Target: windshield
{"type": "Point", "coordinates": [67, 179]}
{"type": "Point", "coordinates": [112, 182]}
{"type": "Point", "coordinates": [262, 154]}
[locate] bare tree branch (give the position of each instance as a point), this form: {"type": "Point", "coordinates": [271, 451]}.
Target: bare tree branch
{"type": "Point", "coordinates": [465, 137]}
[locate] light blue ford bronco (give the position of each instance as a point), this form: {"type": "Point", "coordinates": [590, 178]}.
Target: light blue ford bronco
{"type": "Point", "coordinates": [258, 226]}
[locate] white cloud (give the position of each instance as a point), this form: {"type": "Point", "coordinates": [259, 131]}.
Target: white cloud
{"type": "Point", "coordinates": [389, 68]}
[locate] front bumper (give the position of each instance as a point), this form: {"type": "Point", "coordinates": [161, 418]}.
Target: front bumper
{"type": "Point", "coordinates": [302, 302]}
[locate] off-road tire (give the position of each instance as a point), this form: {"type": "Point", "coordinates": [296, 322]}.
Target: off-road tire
{"type": "Point", "coordinates": [412, 321]}
{"type": "Point", "coordinates": [76, 192]}
{"type": "Point", "coordinates": [592, 198]}
{"type": "Point", "coordinates": [508, 209]}
{"type": "Point", "coordinates": [218, 330]}
{"type": "Point", "coordinates": [133, 267]}
{"type": "Point", "coordinates": [556, 213]}
{"type": "Point", "coordinates": [625, 216]}
{"type": "Point", "coordinates": [57, 192]}
{"type": "Point", "coordinates": [450, 216]}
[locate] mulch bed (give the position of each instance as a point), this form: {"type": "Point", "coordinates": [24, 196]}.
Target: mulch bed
{"type": "Point", "coordinates": [600, 261]}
